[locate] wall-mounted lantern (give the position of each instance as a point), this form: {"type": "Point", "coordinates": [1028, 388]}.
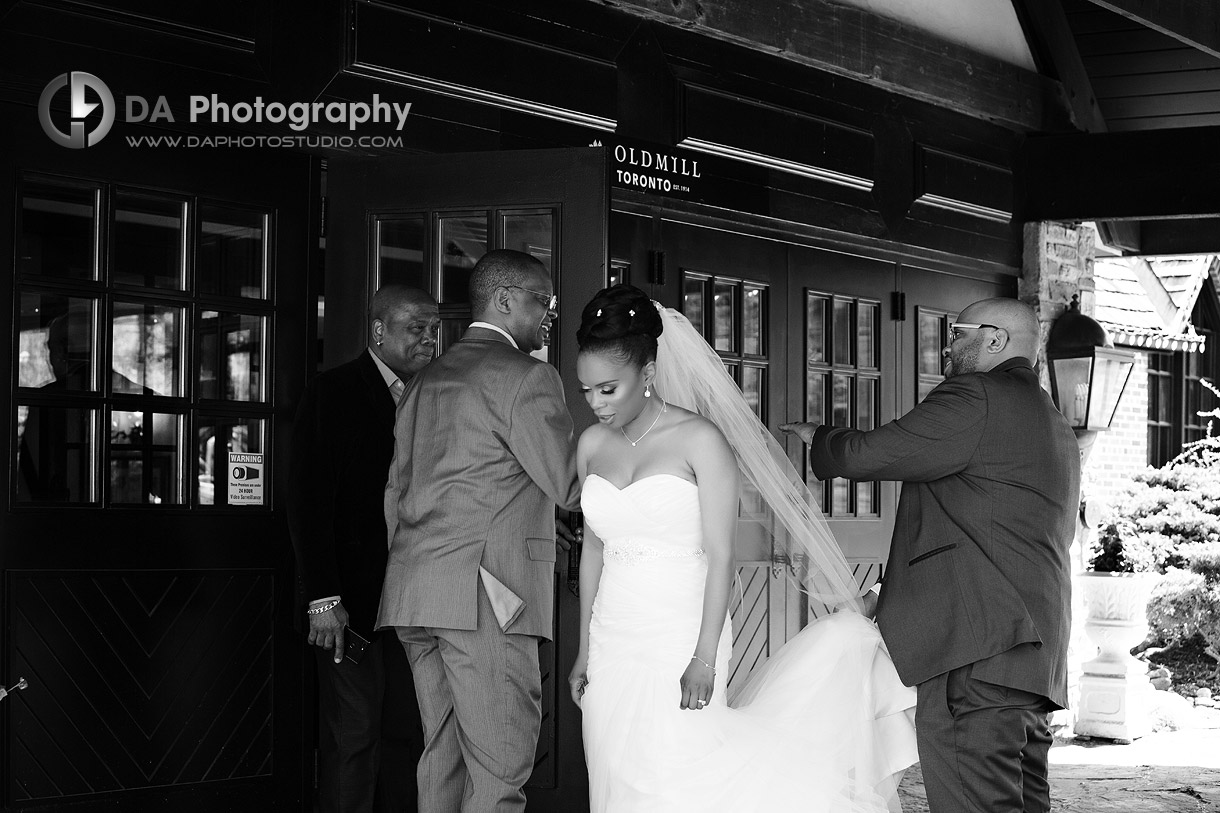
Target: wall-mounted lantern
{"type": "Point", "coordinates": [1087, 374]}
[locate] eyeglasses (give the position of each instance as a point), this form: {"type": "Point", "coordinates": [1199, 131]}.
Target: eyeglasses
{"type": "Point", "coordinates": [956, 328]}
{"type": "Point", "coordinates": [548, 301]}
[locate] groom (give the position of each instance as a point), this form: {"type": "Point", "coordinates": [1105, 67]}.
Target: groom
{"type": "Point", "coordinates": [483, 453]}
{"type": "Point", "coordinates": [976, 604]}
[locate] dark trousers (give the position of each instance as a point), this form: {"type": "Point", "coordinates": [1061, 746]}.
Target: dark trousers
{"type": "Point", "coordinates": [982, 747]}
{"type": "Point", "coordinates": [369, 733]}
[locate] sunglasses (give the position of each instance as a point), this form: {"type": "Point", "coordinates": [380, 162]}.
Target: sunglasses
{"type": "Point", "coordinates": [956, 328]}
{"type": "Point", "coordinates": [548, 301]}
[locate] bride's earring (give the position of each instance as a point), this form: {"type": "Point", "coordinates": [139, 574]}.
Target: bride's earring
{"type": "Point", "coordinates": [647, 392]}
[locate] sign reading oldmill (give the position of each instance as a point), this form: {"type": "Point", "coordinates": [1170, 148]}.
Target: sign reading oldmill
{"type": "Point", "coordinates": [652, 168]}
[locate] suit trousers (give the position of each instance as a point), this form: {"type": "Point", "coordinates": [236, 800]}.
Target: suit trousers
{"type": "Point", "coordinates": [982, 747]}
{"type": "Point", "coordinates": [369, 736]}
{"type": "Point", "coordinates": [480, 697]}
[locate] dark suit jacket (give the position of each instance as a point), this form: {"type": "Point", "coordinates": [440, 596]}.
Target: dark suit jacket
{"type": "Point", "coordinates": [341, 449]}
{"type": "Point", "coordinates": [483, 453]}
{"type": "Point", "coordinates": [978, 569]}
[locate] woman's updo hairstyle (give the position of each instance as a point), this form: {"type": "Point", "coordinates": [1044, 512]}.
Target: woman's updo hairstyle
{"type": "Point", "coordinates": [620, 321]}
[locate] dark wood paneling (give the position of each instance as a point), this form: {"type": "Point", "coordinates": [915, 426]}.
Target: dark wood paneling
{"type": "Point", "coordinates": [138, 680]}
{"type": "Point", "coordinates": [955, 182]}
{"type": "Point", "coordinates": [397, 44]}
{"type": "Point", "coordinates": [1194, 22]}
{"type": "Point", "coordinates": [787, 134]}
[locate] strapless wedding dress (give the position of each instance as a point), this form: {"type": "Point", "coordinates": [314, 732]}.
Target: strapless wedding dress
{"type": "Point", "coordinates": [824, 725]}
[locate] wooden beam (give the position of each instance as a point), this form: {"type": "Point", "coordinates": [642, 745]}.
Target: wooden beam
{"type": "Point", "coordinates": [1054, 46]}
{"type": "Point", "coordinates": [1180, 236]}
{"type": "Point", "coordinates": [1122, 176]}
{"type": "Point", "coordinates": [885, 53]}
{"type": "Point", "coordinates": [1193, 22]}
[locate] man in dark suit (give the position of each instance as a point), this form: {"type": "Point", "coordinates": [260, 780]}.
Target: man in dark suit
{"type": "Point", "coordinates": [483, 454]}
{"type": "Point", "coordinates": [976, 605]}
{"type": "Point", "coordinates": [369, 730]}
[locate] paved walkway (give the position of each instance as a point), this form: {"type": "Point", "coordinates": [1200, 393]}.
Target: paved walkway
{"type": "Point", "coordinates": [1168, 772]}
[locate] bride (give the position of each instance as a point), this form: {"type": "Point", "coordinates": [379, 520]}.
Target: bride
{"type": "Point", "coordinates": [825, 724]}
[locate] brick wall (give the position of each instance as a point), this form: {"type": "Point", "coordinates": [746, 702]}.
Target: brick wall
{"type": "Point", "coordinates": [1123, 450]}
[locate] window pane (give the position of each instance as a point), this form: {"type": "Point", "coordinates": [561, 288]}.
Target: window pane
{"type": "Point", "coordinates": [840, 497]}
{"type": "Point", "coordinates": [463, 240]}
{"type": "Point", "coordinates": [216, 438]}
{"type": "Point", "coordinates": [55, 454]}
{"type": "Point", "coordinates": [532, 233]}
{"type": "Point", "coordinates": [620, 272]}
{"type": "Point", "coordinates": [866, 335]}
{"type": "Point", "coordinates": [1164, 398]}
{"type": "Point", "coordinates": [146, 349]}
{"type": "Point", "coordinates": [815, 397]}
{"type": "Point", "coordinates": [149, 241]}
{"type": "Point", "coordinates": [55, 343]}
{"type": "Point", "coordinates": [230, 356]}
{"type": "Point", "coordinates": [815, 329]}
{"type": "Point", "coordinates": [753, 329]}
{"type": "Point", "coordinates": [753, 386]}
{"type": "Point", "coordinates": [734, 372]}
{"type": "Point", "coordinates": [232, 257]}
{"type": "Point", "coordinates": [926, 386]}
{"type": "Point", "coordinates": [400, 252]}
{"type": "Point", "coordinates": [866, 499]}
{"type": "Point", "coordinates": [724, 300]}
{"type": "Point", "coordinates": [840, 408]}
{"type": "Point", "coordinates": [58, 231]}
{"type": "Point", "coordinates": [694, 294]}
{"type": "Point", "coordinates": [930, 344]}
{"type": "Point", "coordinates": [144, 458]}
{"type": "Point", "coordinates": [866, 404]}
{"type": "Point", "coordinates": [844, 331]}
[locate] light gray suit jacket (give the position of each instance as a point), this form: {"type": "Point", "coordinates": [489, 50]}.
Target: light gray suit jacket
{"type": "Point", "coordinates": [483, 452]}
{"type": "Point", "coordinates": [978, 569]}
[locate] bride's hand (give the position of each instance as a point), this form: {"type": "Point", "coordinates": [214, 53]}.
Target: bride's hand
{"type": "Point", "coordinates": [577, 681]}
{"type": "Point", "coordinates": [698, 681]}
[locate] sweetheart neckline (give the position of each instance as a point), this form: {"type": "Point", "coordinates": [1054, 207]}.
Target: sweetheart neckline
{"type": "Point", "coordinates": [642, 479]}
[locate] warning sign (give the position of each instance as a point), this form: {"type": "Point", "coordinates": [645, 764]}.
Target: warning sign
{"type": "Point", "coordinates": [245, 478]}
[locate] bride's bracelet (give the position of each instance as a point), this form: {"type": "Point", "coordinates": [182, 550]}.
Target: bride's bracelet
{"type": "Point", "coordinates": [705, 663]}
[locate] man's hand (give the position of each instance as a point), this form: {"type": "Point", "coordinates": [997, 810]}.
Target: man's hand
{"type": "Point", "coordinates": [326, 629]}
{"type": "Point", "coordinates": [804, 431]}
{"type": "Point", "coordinates": [564, 535]}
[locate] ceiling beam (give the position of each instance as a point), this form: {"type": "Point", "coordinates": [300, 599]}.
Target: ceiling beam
{"type": "Point", "coordinates": [880, 51]}
{"type": "Point", "coordinates": [1128, 175]}
{"type": "Point", "coordinates": [1193, 22]}
{"type": "Point", "coordinates": [1055, 52]}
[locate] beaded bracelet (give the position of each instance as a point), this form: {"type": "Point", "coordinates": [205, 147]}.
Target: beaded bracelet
{"type": "Point", "coordinates": [705, 663]}
{"type": "Point", "coordinates": [325, 608]}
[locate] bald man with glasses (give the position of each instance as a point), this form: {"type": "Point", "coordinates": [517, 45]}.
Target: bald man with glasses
{"type": "Point", "coordinates": [976, 607]}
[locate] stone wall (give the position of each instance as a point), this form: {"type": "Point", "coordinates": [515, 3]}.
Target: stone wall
{"type": "Point", "coordinates": [1057, 263]}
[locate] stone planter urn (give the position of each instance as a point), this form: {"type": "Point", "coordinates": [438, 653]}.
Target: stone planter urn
{"type": "Point", "coordinates": [1115, 694]}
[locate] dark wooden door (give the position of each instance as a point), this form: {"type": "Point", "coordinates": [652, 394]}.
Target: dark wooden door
{"type": "Point", "coordinates": [425, 222]}
{"type": "Point", "coordinates": [732, 287]}
{"type": "Point", "coordinates": [158, 341]}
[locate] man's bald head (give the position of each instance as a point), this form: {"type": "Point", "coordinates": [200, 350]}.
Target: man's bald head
{"type": "Point", "coordinates": [403, 326]}
{"type": "Point", "coordinates": [394, 296]}
{"type": "Point", "coordinates": [1009, 330]}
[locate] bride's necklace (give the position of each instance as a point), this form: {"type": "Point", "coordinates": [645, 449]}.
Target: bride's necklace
{"type": "Point", "coordinates": [623, 429]}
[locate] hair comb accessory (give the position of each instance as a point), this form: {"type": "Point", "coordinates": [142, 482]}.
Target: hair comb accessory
{"type": "Point", "coordinates": [631, 312]}
{"type": "Point", "coordinates": [599, 311]}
